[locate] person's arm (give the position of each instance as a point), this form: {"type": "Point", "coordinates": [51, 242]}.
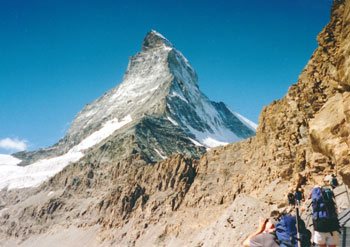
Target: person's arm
{"type": "Point", "coordinates": [259, 230]}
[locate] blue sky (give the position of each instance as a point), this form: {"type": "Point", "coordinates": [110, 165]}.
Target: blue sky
{"type": "Point", "coordinates": [57, 55]}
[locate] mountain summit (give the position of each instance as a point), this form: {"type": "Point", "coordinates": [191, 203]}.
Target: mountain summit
{"type": "Point", "coordinates": [157, 110]}
{"type": "Point", "coordinates": [154, 39]}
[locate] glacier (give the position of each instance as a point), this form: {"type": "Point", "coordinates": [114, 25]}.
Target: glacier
{"type": "Point", "coordinates": [13, 176]}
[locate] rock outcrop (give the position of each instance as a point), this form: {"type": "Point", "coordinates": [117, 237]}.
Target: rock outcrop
{"type": "Point", "coordinates": [329, 130]}
{"type": "Point", "coordinates": [294, 129]}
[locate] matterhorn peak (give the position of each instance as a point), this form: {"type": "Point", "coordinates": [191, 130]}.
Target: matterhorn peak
{"type": "Point", "coordinates": [156, 111]}
{"type": "Point", "coordinates": [154, 39]}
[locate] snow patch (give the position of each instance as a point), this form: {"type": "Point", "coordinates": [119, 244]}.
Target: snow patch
{"type": "Point", "coordinates": [179, 95]}
{"type": "Point", "coordinates": [12, 176]}
{"type": "Point", "coordinates": [159, 35]}
{"type": "Point", "coordinates": [172, 121]}
{"type": "Point", "coordinates": [213, 131]}
{"type": "Point", "coordinates": [167, 48]}
{"type": "Point", "coordinates": [9, 160]}
{"type": "Point", "coordinates": [108, 128]}
{"type": "Point", "coordinates": [246, 121]}
{"type": "Point", "coordinates": [195, 142]}
{"type": "Point", "coordinates": [219, 136]}
{"type": "Point", "coordinates": [34, 174]}
{"type": "Point", "coordinates": [210, 142]}
{"type": "Point", "coordinates": [159, 153]}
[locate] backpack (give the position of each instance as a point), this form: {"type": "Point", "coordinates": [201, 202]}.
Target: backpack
{"type": "Point", "coordinates": [324, 213]}
{"type": "Point", "coordinates": [286, 232]}
{"type": "Point", "coordinates": [334, 182]}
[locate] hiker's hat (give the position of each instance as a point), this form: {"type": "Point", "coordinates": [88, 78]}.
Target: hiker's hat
{"type": "Point", "coordinates": [327, 178]}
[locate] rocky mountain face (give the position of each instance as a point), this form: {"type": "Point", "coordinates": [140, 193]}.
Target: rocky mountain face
{"type": "Point", "coordinates": [160, 94]}
{"type": "Point", "coordinates": [295, 128]}
{"type": "Point", "coordinates": [158, 110]}
{"type": "Point", "coordinates": [329, 130]}
{"type": "Point", "coordinates": [213, 201]}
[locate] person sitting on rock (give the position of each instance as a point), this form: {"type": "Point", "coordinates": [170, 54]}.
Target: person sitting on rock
{"type": "Point", "coordinates": [264, 236]}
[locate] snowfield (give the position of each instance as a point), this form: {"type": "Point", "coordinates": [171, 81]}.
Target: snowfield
{"type": "Point", "coordinates": [8, 160]}
{"type": "Point", "coordinates": [253, 126]}
{"type": "Point", "coordinates": [13, 176]}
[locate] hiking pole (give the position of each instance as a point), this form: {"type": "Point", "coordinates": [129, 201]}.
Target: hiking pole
{"type": "Point", "coordinates": [298, 234]}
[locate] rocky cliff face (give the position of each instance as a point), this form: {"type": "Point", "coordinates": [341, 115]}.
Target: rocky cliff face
{"type": "Point", "coordinates": [176, 202]}
{"type": "Point", "coordinates": [329, 130]}
{"type": "Point", "coordinates": [216, 200]}
{"type": "Point", "coordinates": [287, 127]}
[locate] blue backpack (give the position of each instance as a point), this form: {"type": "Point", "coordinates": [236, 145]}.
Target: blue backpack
{"type": "Point", "coordinates": [286, 231]}
{"type": "Point", "coordinates": [324, 213]}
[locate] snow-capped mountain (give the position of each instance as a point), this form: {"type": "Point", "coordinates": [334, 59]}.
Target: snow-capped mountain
{"type": "Point", "coordinates": [159, 81]}
{"type": "Point", "coordinates": [156, 111]}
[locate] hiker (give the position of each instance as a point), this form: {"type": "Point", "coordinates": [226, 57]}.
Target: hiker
{"type": "Point", "coordinates": [264, 235]}
{"type": "Point", "coordinates": [324, 217]}
{"type": "Point", "coordinates": [334, 182]}
{"type": "Point", "coordinates": [291, 199]}
{"type": "Point", "coordinates": [280, 233]}
{"type": "Point", "coordinates": [299, 195]}
{"type": "Point", "coordinates": [287, 231]}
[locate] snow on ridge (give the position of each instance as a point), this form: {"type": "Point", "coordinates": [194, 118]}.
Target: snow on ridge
{"type": "Point", "coordinates": [179, 95]}
{"type": "Point", "coordinates": [195, 142]}
{"type": "Point", "coordinates": [216, 134]}
{"type": "Point", "coordinates": [159, 153]}
{"type": "Point", "coordinates": [32, 175]}
{"type": "Point", "coordinates": [187, 63]}
{"type": "Point", "coordinates": [167, 48]}
{"type": "Point", "coordinates": [218, 137]}
{"type": "Point", "coordinates": [211, 142]}
{"type": "Point", "coordinates": [108, 128]}
{"type": "Point", "coordinates": [172, 121]}
{"type": "Point", "coordinates": [13, 176]}
{"type": "Point", "coordinates": [159, 34]}
{"type": "Point", "coordinates": [6, 159]}
{"type": "Point", "coordinates": [250, 124]}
